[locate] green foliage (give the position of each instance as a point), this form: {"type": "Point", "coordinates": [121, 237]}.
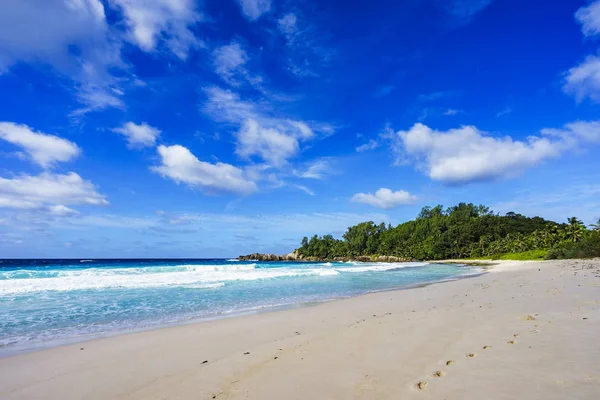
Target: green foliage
{"type": "Point", "coordinates": [531, 255]}
{"type": "Point", "coordinates": [461, 231]}
{"type": "Point", "coordinates": [587, 247]}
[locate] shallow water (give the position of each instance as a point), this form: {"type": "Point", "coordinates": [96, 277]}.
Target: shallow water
{"type": "Point", "coordinates": [47, 301]}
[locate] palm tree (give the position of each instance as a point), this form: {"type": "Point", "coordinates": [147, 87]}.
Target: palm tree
{"type": "Point", "coordinates": [596, 226]}
{"type": "Point", "coordinates": [575, 229]}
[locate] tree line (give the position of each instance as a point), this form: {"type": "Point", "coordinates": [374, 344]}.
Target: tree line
{"type": "Point", "coordinates": [461, 231]}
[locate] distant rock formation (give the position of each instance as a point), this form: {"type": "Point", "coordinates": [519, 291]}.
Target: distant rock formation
{"type": "Point", "coordinates": [295, 256]}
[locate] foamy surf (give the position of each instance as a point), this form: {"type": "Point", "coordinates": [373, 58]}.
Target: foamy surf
{"type": "Point", "coordinates": [46, 300]}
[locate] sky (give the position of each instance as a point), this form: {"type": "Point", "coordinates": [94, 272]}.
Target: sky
{"type": "Point", "coordinates": [214, 128]}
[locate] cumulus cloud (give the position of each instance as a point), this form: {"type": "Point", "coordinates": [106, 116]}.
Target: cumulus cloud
{"type": "Point", "coordinates": [589, 18]}
{"type": "Point", "coordinates": [270, 144]}
{"type": "Point", "coordinates": [59, 25]}
{"type": "Point", "coordinates": [577, 132]}
{"type": "Point", "coordinates": [43, 149]}
{"type": "Point", "coordinates": [138, 136]}
{"type": "Point", "coordinates": [76, 39]}
{"type": "Point", "coordinates": [170, 21]}
{"type": "Point", "coordinates": [179, 164]}
{"type": "Point", "coordinates": [71, 36]}
{"type": "Point", "coordinates": [253, 9]}
{"type": "Point", "coordinates": [273, 139]}
{"type": "Point", "coordinates": [467, 154]}
{"type": "Point", "coordinates": [385, 198]}
{"type": "Point", "coordinates": [583, 80]}
{"type": "Point", "coordinates": [53, 192]}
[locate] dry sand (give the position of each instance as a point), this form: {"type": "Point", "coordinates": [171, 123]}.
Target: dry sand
{"type": "Point", "coordinates": [526, 330]}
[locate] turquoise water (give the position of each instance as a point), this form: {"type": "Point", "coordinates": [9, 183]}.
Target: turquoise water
{"type": "Point", "coordinates": [45, 302]}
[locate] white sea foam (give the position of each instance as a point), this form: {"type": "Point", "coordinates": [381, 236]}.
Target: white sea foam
{"type": "Point", "coordinates": [367, 267]}
{"type": "Point", "coordinates": [133, 278]}
{"type": "Point", "coordinates": [233, 260]}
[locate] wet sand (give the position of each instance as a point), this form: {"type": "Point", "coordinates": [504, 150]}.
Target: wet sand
{"type": "Point", "coordinates": [524, 330]}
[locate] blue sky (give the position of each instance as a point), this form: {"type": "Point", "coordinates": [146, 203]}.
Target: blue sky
{"type": "Point", "coordinates": [182, 128]}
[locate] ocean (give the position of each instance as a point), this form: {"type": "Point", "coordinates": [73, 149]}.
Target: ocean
{"type": "Point", "coordinates": [45, 303]}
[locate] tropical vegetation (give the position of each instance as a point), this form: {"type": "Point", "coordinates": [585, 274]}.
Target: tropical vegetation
{"type": "Point", "coordinates": [461, 231]}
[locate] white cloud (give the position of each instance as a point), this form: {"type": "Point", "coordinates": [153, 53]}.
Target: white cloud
{"type": "Point", "coordinates": [61, 211]}
{"type": "Point", "coordinates": [71, 36]}
{"type": "Point", "coordinates": [272, 145]}
{"type": "Point", "coordinates": [577, 132]}
{"type": "Point", "coordinates": [96, 97]}
{"type": "Point", "coordinates": [589, 18]}
{"type": "Point", "coordinates": [228, 61]}
{"type": "Point", "coordinates": [452, 112]}
{"type": "Point", "coordinates": [305, 190]}
{"type": "Point", "coordinates": [275, 140]}
{"type": "Point", "coordinates": [42, 148]}
{"type": "Point", "coordinates": [180, 165]}
{"type": "Point", "coordinates": [288, 25]}
{"type": "Point", "coordinates": [371, 145]}
{"type": "Point", "coordinates": [49, 191]}
{"type": "Point", "coordinates": [137, 136]}
{"type": "Point", "coordinates": [59, 25]}
{"type": "Point", "coordinates": [385, 198]}
{"type": "Point", "coordinates": [583, 80]}
{"type": "Point", "coordinates": [315, 170]}
{"type": "Point", "coordinates": [253, 9]}
{"type": "Point", "coordinates": [466, 154]}
{"type": "Point", "coordinates": [152, 21]}
{"type": "Point", "coordinates": [505, 111]}
{"type": "Point", "coordinates": [76, 39]}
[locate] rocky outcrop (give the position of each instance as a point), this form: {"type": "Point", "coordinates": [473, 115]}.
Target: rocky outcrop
{"type": "Point", "coordinates": [295, 256]}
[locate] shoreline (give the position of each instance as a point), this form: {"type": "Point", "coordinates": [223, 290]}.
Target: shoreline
{"type": "Point", "coordinates": [12, 351]}
{"type": "Point", "coordinates": [377, 345]}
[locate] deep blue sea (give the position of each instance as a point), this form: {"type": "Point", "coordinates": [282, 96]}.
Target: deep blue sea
{"type": "Point", "coordinates": [49, 302]}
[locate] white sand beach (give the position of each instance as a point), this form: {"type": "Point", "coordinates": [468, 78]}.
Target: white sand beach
{"type": "Point", "coordinates": [525, 330]}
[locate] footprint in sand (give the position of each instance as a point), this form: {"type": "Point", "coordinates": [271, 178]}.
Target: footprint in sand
{"type": "Point", "coordinates": [487, 347]}
{"type": "Point", "coordinates": [471, 355]}
{"type": "Point", "coordinates": [511, 342]}
{"type": "Point", "coordinates": [421, 385]}
{"type": "Point", "coordinates": [438, 374]}
{"type": "Point", "coordinates": [449, 362]}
